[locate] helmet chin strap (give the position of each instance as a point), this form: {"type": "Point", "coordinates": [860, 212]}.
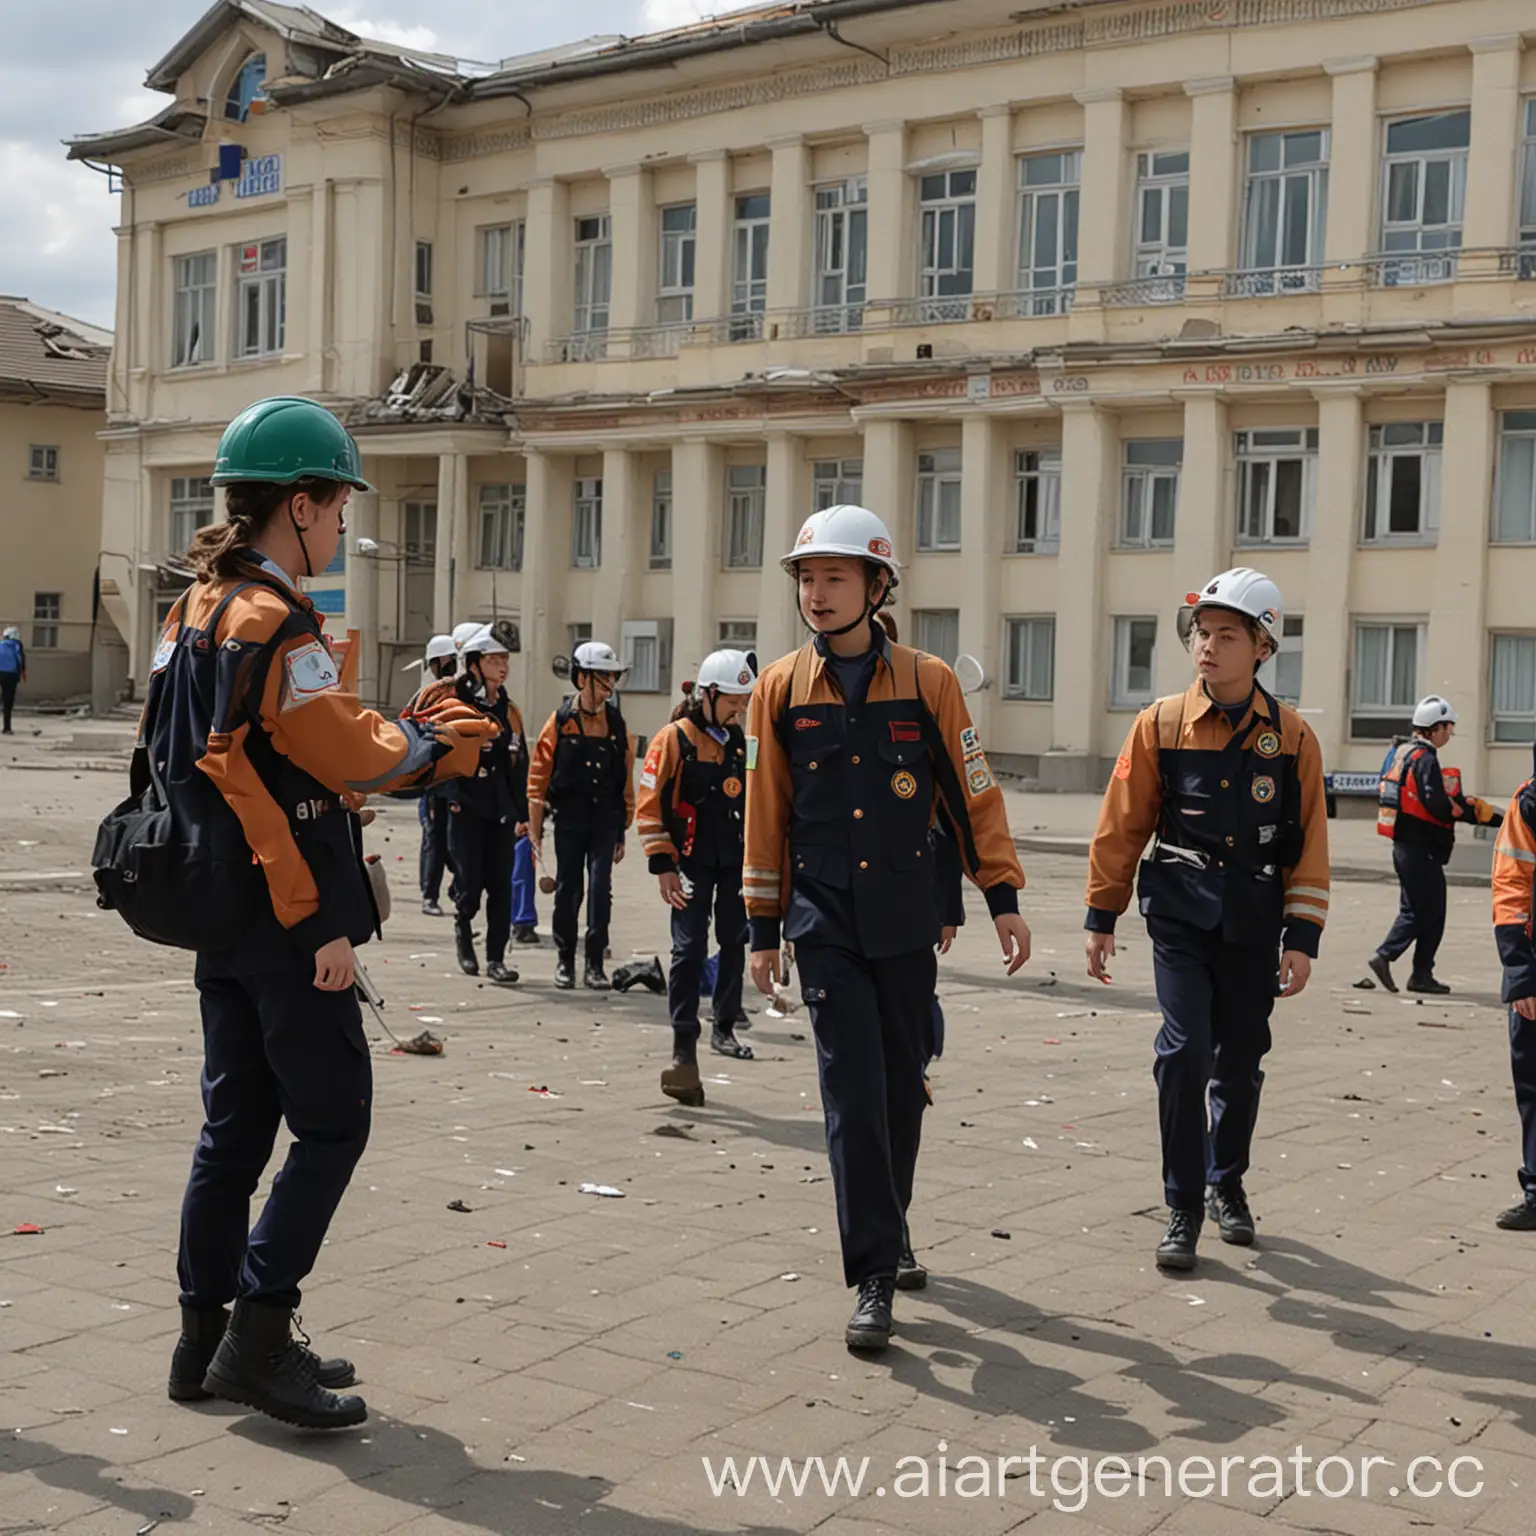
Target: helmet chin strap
{"type": "Point", "coordinates": [299, 534]}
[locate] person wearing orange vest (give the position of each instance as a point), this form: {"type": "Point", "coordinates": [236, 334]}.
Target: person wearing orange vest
{"type": "Point", "coordinates": [1420, 804]}
{"type": "Point", "coordinates": [1514, 871]}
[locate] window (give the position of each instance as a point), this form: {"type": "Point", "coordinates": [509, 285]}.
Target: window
{"type": "Point", "coordinates": [1149, 492]}
{"type": "Point", "coordinates": [587, 525]}
{"type": "Point", "coordinates": [1424, 189]}
{"type": "Point", "coordinates": [746, 497]}
{"type": "Point", "coordinates": [661, 521]}
{"type": "Point", "coordinates": [42, 462]}
{"type": "Point", "coordinates": [1277, 479]}
{"type": "Point", "coordinates": [192, 325]}
{"type": "Point", "coordinates": [191, 509]}
{"type": "Point", "coordinates": [1048, 230]}
{"type": "Point", "coordinates": [245, 89]}
{"type": "Point", "coordinates": [493, 279]}
{"type": "Point", "coordinates": [947, 242]}
{"type": "Point", "coordinates": [594, 273]}
{"type": "Point", "coordinates": [576, 634]}
{"type": "Point", "coordinates": [1388, 658]}
{"type": "Point", "coordinates": [842, 255]}
{"type": "Point", "coordinates": [1402, 483]}
{"type": "Point", "coordinates": [1037, 501]}
{"type": "Point", "coordinates": [423, 269]}
{"type": "Point", "coordinates": [1527, 263]}
{"type": "Point", "coordinates": [1281, 674]}
{"type": "Point", "coordinates": [674, 301]}
{"type": "Point", "coordinates": [1285, 211]}
{"type": "Point", "coordinates": [749, 262]}
{"type": "Point", "coordinates": [1162, 220]}
{"type": "Point", "coordinates": [1514, 687]}
{"type": "Point", "coordinates": [262, 298]}
{"type": "Point", "coordinates": [647, 652]}
{"type": "Point", "coordinates": [1515, 517]}
{"type": "Point", "coordinates": [938, 499]}
{"type": "Point", "coordinates": [737, 634]}
{"type": "Point", "coordinates": [1031, 659]}
{"type": "Point", "coordinates": [47, 609]}
{"type": "Point", "coordinates": [420, 540]}
{"type": "Point", "coordinates": [1135, 663]}
{"type": "Point", "coordinates": [503, 512]}
{"type": "Point", "coordinates": [837, 483]}
{"type": "Point", "coordinates": [937, 631]}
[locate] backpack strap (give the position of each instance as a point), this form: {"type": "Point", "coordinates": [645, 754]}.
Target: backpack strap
{"type": "Point", "coordinates": [685, 746]}
{"type": "Point", "coordinates": [802, 658]}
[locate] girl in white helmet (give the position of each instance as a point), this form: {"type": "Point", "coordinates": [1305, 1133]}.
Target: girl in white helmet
{"type": "Point", "coordinates": [692, 793]}
{"type": "Point", "coordinates": [1235, 892]}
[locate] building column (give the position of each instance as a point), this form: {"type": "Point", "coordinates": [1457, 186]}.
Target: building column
{"type": "Point", "coordinates": [984, 484]}
{"type": "Point", "coordinates": [633, 300]}
{"type": "Point", "coordinates": [548, 278]}
{"type": "Point", "coordinates": [318, 334]}
{"type": "Point", "coordinates": [1327, 641]}
{"type": "Point", "coordinates": [996, 202]}
{"type": "Point", "coordinates": [1089, 478]}
{"type": "Point", "coordinates": [1212, 173]}
{"type": "Point", "coordinates": [890, 481]}
{"type": "Point", "coordinates": [892, 234]}
{"type": "Point", "coordinates": [1103, 205]}
{"type": "Point", "coordinates": [1493, 169]}
{"type": "Point", "coordinates": [1458, 615]}
{"type": "Point", "coordinates": [1204, 521]}
{"type": "Point", "coordinates": [1352, 197]}
{"type": "Point", "coordinates": [452, 523]}
{"type": "Point", "coordinates": [789, 240]}
{"type": "Point", "coordinates": [712, 245]}
{"type": "Point", "coordinates": [698, 484]}
{"type": "Point", "coordinates": [362, 589]}
{"type": "Point", "coordinates": [612, 592]}
{"type": "Point", "coordinates": [786, 507]}
{"type": "Point", "coordinates": [550, 480]}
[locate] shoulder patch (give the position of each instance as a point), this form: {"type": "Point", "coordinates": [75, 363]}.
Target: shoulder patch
{"type": "Point", "coordinates": [163, 653]}
{"type": "Point", "coordinates": [310, 671]}
{"type": "Point", "coordinates": [751, 752]}
{"type": "Point", "coordinates": [970, 740]}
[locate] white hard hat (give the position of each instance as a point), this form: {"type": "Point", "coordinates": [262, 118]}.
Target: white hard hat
{"type": "Point", "coordinates": [439, 646]}
{"type": "Point", "coordinates": [11, 632]}
{"type": "Point", "coordinates": [597, 656]}
{"type": "Point", "coordinates": [483, 642]}
{"type": "Point", "coordinates": [1241, 590]}
{"type": "Point", "coordinates": [1433, 711]}
{"type": "Point", "coordinates": [853, 533]}
{"type": "Point", "coordinates": [462, 632]}
{"type": "Point", "coordinates": [729, 671]}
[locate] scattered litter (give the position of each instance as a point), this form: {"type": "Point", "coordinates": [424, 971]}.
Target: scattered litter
{"type": "Point", "coordinates": [646, 1406]}
{"type": "Point", "coordinates": [544, 1093]}
{"type": "Point", "coordinates": [26, 1229]}
{"type": "Point", "coordinates": [424, 1044]}
{"type": "Point", "coordinates": [676, 1131]}
{"type": "Point", "coordinates": [53, 1072]}
{"type": "Point", "coordinates": [117, 1431]}
{"type": "Point", "coordinates": [1031, 1143]}
{"type": "Point", "coordinates": [64, 1189]}
{"type": "Point", "coordinates": [428, 1018]}
{"type": "Point", "coordinates": [55, 1130]}
{"type": "Point", "coordinates": [428, 954]}
{"type": "Point", "coordinates": [1051, 1040]}
{"type": "Point", "coordinates": [790, 1276]}
{"type": "Point", "coordinates": [593, 1082]}
{"type": "Point", "coordinates": [50, 1003]}
{"type": "Point", "coordinates": [144, 1530]}
{"type": "Point", "coordinates": [494, 1244]}
{"type": "Point", "coordinates": [10, 1013]}
{"type": "Point", "coordinates": [1195, 1301]}
{"type": "Point", "coordinates": [513, 1456]}
{"type": "Point", "coordinates": [1006, 1236]}
{"type": "Point", "coordinates": [507, 1173]}
{"type": "Point", "coordinates": [607, 1191]}
{"type": "Point", "coordinates": [460, 1207]}
{"type": "Point", "coordinates": [1365, 984]}
{"type": "Point", "coordinates": [672, 1354]}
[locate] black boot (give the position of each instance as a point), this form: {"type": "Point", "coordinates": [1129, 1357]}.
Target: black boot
{"type": "Point", "coordinates": [565, 973]}
{"type": "Point", "coordinates": [1382, 971]}
{"type": "Point", "coordinates": [870, 1325]}
{"type": "Point", "coordinates": [430, 907]}
{"type": "Point", "coordinates": [1427, 983]}
{"type": "Point", "coordinates": [681, 1080]}
{"type": "Point", "coordinates": [1177, 1249]}
{"type": "Point", "coordinates": [201, 1333]}
{"type": "Point", "coordinates": [724, 1043]}
{"type": "Point", "coordinates": [260, 1365]}
{"type": "Point", "coordinates": [1518, 1218]}
{"type": "Point", "coordinates": [502, 975]}
{"type": "Point", "coordinates": [910, 1275]}
{"type": "Point", "coordinates": [525, 933]}
{"type": "Point", "coordinates": [464, 942]}
{"type": "Point", "coordinates": [594, 978]}
{"type": "Point", "coordinates": [1227, 1206]}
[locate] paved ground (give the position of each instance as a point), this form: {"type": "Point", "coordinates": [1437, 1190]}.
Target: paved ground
{"type": "Point", "coordinates": [573, 1380]}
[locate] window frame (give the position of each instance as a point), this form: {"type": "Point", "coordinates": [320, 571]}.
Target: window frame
{"type": "Point", "coordinates": [1419, 263]}
{"type": "Point", "coordinates": [1393, 718]}
{"type": "Point", "coordinates": [1016, 687]}
{"type": "Point", "coordinates": [593, 258]}
{"type": "Point", "coordinates": [189, 495]}
{"type": "Point", "coordinates": [1145, 477]}
{"type": "Point", "coordinates": [509, 513]}
{"type": "Point", "coordinates": [1525, 433]}
{"type": "Point", "coordinates": [742, 634]}
{"type": "Point", "coordinates": [930, 483]}
{"type": "Point", "coordinates": [1380, 467]}
{"type": "Point", "coordinates": [1269, 673]}
{"type": "Point", "coordinates": [587, 522]}
{"type": "Point", "coordinates": [677, 255]}
{"type": "Point", "coordinates": [1121, 695]}
{"type": "Point", "coordinates": [946, 283]}
{"type": "Point", "coordinates": [750, 238]}
{"type": "Point", "coordinates": [194, 310]}
{"type": "Point", "coordinates": [43, 463]}
{"type": "Point", "coordinates": [46, 625]}
{"type": "Point", "coordinates": [661, 519]}
{"type": "Point", "coordinates": [1051, 298]}
{"type": "Point", "coordinates": [236, 96]}
{"type": "Point", "coordinates": [836, 483]}
{"type": "Point", "coordinates": [1160, 256]}
{"type": "Point", "coordinates": [1044, 474]}
{"type": "Point", "coordinates": [746, 507]}
{"type": "Point", "coordinates": [270, 285]}
{"type": "Point", "coordinates": [922, 621]}
{"type": "Point", "coordinates": [422, 269]}
{"type": "Point", "coordinates": [658, 633]}
{"type": "Point", "coordinates": [1248, 454]}
{"type": "Point", "coordinates": [1525, 718]}
{"type": "Point", "coordinates": [1261, 276]}
{"type": "Point", "coordinates": [1525, 190]}
{"type": "Point", "coordinates": [841, 225]}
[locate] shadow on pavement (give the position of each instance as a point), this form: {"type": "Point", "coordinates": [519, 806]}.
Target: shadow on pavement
{"type": "Point", "coordinates": [90, 1476]}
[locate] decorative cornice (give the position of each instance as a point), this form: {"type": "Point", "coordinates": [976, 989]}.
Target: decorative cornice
{"type": "Point", "coordinates": [1098, 93]}
{"type": "Point", "coordinates": [1364, 64]}
{"type": "Point", "coordinates": [1211, 85]}
{"type": "Point", "coordinates": [784, 141]}
{"type": "Point", "coordinates": [708, 156]}
{"type": "Point", "coordinates": [1505, 42]}
{"type": "Point", "coordinates": [996, 109]}
{"type": "Point", "coordinates": [166, 170]}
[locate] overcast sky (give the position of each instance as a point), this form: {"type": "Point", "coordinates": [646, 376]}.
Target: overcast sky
{"type": "Point", "coordinates": [69, 67]}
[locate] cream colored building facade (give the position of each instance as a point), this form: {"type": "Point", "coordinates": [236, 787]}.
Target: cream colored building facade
{"type": "Point", "coordinates": [1089, 304]}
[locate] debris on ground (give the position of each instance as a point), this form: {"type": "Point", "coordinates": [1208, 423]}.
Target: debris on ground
{"type": "Point", "coordinates": [424, 1044]}
{"type": "Point", "coordinates": [1365, 984]}
{"type": "Point", "coordinates": [607, 1191]}
{"type": "Point", "coordinates": [460, 1207]}
{"type": "Point", "coordinates": [1006, 1236]}
{"type": "Point", "coordinates": [680, 1132]}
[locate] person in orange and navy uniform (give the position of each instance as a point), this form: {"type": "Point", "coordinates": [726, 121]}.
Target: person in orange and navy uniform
{"type": "Point", "coordinates": [1419, 805]}
{"type": "Point", "coordinates": [689, 816]}
{"type": "Point", "coordinates": [851, 743]}
{"type": "Point", "coordinates": [440, 662]}
{"type": "Point", "coordinates": [584, 771]}
{"type": "Point", "coordinates": [251, 730]}
{"type": "Point", "coordinates": [1514, 871]}
{"type": "Point", "coordinates": [1232, 783]}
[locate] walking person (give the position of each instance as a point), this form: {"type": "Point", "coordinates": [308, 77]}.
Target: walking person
{"type": "Point", "coordinates": [1420, 802]}
{"type": "Point", "coordinates": [689, 815]}
{"type": "Point", "coordinates": [852, 742]}
{"type": "Point", "coordinates": [250, 739]}
{"type": "Point", "coordinates": [584, 772]}
{"type": "Point", "coordinates": [1234, 892]}
{"type": "Point", "coordinates": [13, 671]}
{"type": "Point", "coordinates": [439, 664]}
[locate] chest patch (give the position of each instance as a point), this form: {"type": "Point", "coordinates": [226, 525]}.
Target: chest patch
{"type": "Point", "coordinates": [903, 785]}
{"type": "Point", "coordinates": [1263, 789]}
{"type": "Point", "coordinates": [731, 788]}
{"type": "Point", "coordinates": [163, 653]}
{"type": "Point", "coordinates": [1267, 744]}
{"type": "Point", "coordinates": [310, 672]}
{"type": "Point", "coordinates": [905, 730]}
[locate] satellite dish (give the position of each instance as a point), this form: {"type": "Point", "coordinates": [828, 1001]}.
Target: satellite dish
{"type": "Point", "coordinates": [972, 675]}
{"type": "Point", "coordinates": [561, 666]}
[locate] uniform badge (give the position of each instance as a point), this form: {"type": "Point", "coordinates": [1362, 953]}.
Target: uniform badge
{"type": "Point", "coordinates": [1263, 789]}
{"type": "Point", "coordinates": [980, 778]}
{"type": "Point", "coordinates": [751, 752]}
{"type": "Point", "coordinates": [903, 784]}
{"type": "Point", "coordinates": [163, 653]}
{"type": "Point", "coordinates": [970, 740]}
{"type": "Point", "coordinates": [731, 789]}
{"type": "Point", "coordinates": [1122, 767]}
{"type": "Point", "coordinates": [1267, 744]}
{"type": "Point", "coordinates": [311, 672]}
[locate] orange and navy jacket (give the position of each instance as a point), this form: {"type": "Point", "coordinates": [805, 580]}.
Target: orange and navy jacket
{"type": "Point", "coordinates": [1248, 804]}
{"type": "Point", "coordinates": [661, 778]}
{"type": "Point", "coordinates": [1421, 802]}
{"type": "Point", "coordinates": [1514, 870]}
{"type": "Point", "coordinates": [841, 798]}
{"type": "Point", "coordinates": [577, 723]}
{"type": "Point", "coordinates": [497, 790]}
{"type": "Point", "coordinates": [303, 717]}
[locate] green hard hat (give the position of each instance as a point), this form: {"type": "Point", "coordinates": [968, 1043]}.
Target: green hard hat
{"type": "Point", "coordinates": [285, 438]}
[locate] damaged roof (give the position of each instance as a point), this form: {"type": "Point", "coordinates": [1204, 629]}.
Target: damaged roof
{"type": "Point", "coordinates": [46, 356]}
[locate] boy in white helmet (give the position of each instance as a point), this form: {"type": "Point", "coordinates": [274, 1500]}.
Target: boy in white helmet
{"type": "Point", "coordinates": [1419, 804]}
{"type": "Point", "coordinates": [584, 771]}
{"type": "Point", "coordinates": [852, 743]}
{"type": "Point", "coordinates": [1235, 889]}
{"type": "Point", "coordinates": [689, 816]}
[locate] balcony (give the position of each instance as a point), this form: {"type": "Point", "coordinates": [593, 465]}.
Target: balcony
{"type": "Point", "coordinates": [822, 320]}
{"type": "Point", "coordinates": [732, 329]}
{"type": "Point", "coordinates": [578, 347]}
{"type": "Point", "coordinates": [1410, 269]}
{"type": "Point", "coordinates": [946, 309]}
{"type": "Point", "coordinates": [1271, 282]}
{"type": "Point", "coordinates": [1138, 291]}
{"type": "Point", "coordinates": [1520, 262]}
{"type": "Point", "coordinates": [1029, 303]}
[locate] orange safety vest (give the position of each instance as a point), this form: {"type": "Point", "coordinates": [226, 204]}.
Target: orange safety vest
{"type": "Point", "coordinates": [1400, 790]}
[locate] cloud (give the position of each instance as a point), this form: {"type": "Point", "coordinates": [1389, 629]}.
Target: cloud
{"type": "Point", "coordinates": [424, 39]}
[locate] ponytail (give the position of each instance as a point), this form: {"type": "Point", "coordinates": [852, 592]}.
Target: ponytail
{"type": "Point", "coordinates": [248, 507]}
{"type": "Point", "coordinates": [691, 706]}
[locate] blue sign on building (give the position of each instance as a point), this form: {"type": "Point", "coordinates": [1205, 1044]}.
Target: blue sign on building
{"type": "Point", "coordinates": [203, 197]}
{"type": "Point", "coordinates": [260, 177]}
{"type": "Point", "coordinates": [329, 600]}
{"type": "Point", "coordinates": [338, 565]}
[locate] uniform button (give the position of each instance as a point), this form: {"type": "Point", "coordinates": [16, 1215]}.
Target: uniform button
{"type": "Point", "coordinates": [1229, 842]}
{"type": "Point", "coordinates": [855, 759]}
{"type": "Point", "coordinates": [812, 767]}
{"type": "Point", "coordinates": [858, 815]}
{"type": "Point", "coordinates": [863, 863]}
{"type": "Point", "coordinates": [1225, 785]}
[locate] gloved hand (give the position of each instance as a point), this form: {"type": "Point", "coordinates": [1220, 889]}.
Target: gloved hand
{"type": "Point", "coordinates": [459, 744]}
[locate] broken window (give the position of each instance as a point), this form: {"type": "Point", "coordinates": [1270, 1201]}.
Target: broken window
{"type": "Point", "coordinates": [245, 89]}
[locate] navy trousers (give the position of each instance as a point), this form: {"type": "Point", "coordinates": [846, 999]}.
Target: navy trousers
{"type": "Point", "coordinates": [584, 866]}
{"type": "Point", "coordinates": [1421, 908]}
{"type": "Point", "coordinates": [1522, 1061]}
{"type": "Point", "coordinates": [1216, 1000]}
{"type": "Point", "coordinates": [432, 812]}
{"type": "Point", "coordinates": [275, 1048]}
{"type": "Point", "coordinates": [873, 1025]}
{"type": "Point", "coordinates": [717, 891]}
{"type": "Point", "coordinates": [483, 858]}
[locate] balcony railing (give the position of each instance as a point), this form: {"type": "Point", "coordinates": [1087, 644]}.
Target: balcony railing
{"type": "Point", "coordinates": [947, 309]}
{"type": "Point", "coordinates": [1410, 269]}
{"type": "Point", "coordinates": [1271, 282]}
{"type": "Point", "coordinates": [734, 328]}
{"type": "Point", "coordinates": [1029, 303]}
{"type": "Point", "coordinates": [579, 347]}
{"type": "Point", "coordinates": [1519, 263]}
{"type": "Point", "coordinates": [1137, 291]}
{"type": "Point", "coordinates": [821, 320]}
{"type": "Point", "coordinates": [658, 340]}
